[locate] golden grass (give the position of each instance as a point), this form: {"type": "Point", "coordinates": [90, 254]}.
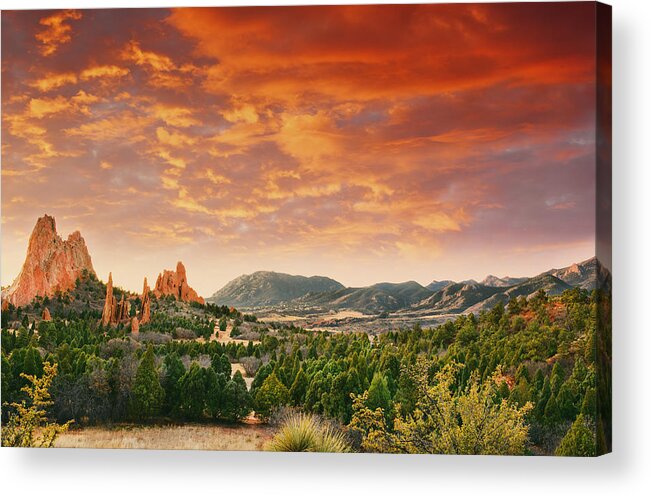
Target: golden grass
{"type": "Point", "coordinates": [243, 437]}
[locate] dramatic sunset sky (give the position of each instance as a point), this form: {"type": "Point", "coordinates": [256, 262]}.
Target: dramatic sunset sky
{"type": "Point", "coordinates": [367, 143]}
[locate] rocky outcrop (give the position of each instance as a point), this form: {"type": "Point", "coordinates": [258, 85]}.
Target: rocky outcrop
{"type": "Point", "coordinates": [135, 326]}
{"type": "Point", "coordinates": [46, 315]}
{"type": "Point", "coordinates": [123, 310]}
{"type": "Point", "coordinates": [175, 283]}
{"type": "Point", "coordinates": [114, 311]}
{"type": "Point", "coordinates": [51, 264]}
{"type": "Point", "coordinates": [110, 303]}
{"type": "Point", "coordinates": [145, 312]}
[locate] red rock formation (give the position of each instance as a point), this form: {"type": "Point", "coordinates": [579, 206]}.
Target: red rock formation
{"type": "Point", "coordinates": [51, 264]}
{"type": "Point", "coordinates": [123, 310]}
{"type": "Point", "coordinates": [46, 315]}
{"type": "Point", "coordinates": [114, 311]}
{"type": "Point", "coordinates": [110, 304]}
{"type": "Point", "coordinates": [145, 313]}
{"type": "Point", "coordinates": [175, 283]}
{"type": "Point", "coordinates": [135, 327]}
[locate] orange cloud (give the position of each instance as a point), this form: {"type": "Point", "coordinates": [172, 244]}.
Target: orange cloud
{"type": "Point", "coordinates": [52, 81]}
{"type": "Point", "coordinates": [174, 139]}
{"type": "Point", "coordinates": [56, 31]}
{"type": "Point", "coordinates": [103, 71]}
{"type": "Point", "coordinates": [42, 107]}
{"type": "Point", "coordinates": [124, 126]}
{"type": "Point", "coordinates": [174, 116]}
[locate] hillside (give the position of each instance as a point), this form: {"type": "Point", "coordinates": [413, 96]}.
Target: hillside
{"type": "Point", "coordinates": [457, 297]}
{"type": "Point", "coordinates": [502, 282]}
{"type": "Point", "coordinates": [582, 275]}
{"type": "Point", "coordinates": [270, 288]}
{"type": "Point", "coordinates": [550, 284]}
{"type": "Point", "coordinates": [439, 285]}
{"type": "Point", "coordinates": [382, 297]}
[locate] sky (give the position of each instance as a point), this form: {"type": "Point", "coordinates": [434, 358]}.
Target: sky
{"type": "Point", "coordinates": [363, 143]}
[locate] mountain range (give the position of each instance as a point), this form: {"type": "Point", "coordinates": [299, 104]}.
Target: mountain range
{"type": "Point", "coordinates": [271, 289]}
{"type": "Point", "coordinates": [54, 265]}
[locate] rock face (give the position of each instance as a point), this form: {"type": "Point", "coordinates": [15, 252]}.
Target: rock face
{"type": "Point", "coordinates": [46, 315]}
{"type": "Point", "coordinates": [175, 283]}
{"type": "Point", "coordinates": [135, 326]}
{"type": "Point", "coordinates": [145, 313]}
{"type": "Point", "coordinates": [51, 264]}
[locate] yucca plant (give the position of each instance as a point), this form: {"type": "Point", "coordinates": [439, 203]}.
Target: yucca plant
{"type": "Point", "coordinates": [305, 432]}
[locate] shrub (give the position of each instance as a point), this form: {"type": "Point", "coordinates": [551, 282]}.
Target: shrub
{"type": "Point", "coordinates": [182, 333]}
{"type": "Point", "coordinates": [302, 432]}
{"type": "Point", "coordinates": [153, 337]}
{"type": "Point", "coordinates": [251, 365]}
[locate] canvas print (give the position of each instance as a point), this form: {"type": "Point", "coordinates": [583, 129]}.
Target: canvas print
{"type": "Point", "coordinates": [350, 229]}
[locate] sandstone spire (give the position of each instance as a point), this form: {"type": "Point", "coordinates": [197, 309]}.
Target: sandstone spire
{"type": "Point", "coordinates": [175, 283]}
{"type": "Point", "coordinates": [114, 311]}
{"type": "Point", "coordinates": [145, 313]}
{"type": "Point", "coordinates": [51, 264]}
{"type": "Point", "coordinates": [108, 314]}
{"type": "Point", "coordinates": [46, 315]}
{"type": "Point", "coordinates": [123, 310]}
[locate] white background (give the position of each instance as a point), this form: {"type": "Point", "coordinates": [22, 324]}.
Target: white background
{"type": "Point", "coordinates": [626, 471]}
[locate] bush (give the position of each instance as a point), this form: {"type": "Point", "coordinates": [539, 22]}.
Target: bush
{"type": "Point", "coordinates": [153, 337]}
{"type": "Point", "coordinates": [302, 432]}
{"type": "Point", "coordinates": [251, 365]}
{"type": "Point", "coordinates": [182, 333]}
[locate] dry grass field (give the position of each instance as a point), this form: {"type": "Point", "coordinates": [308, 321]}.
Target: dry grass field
{"type": "Point", "coordinates": [244, 437]}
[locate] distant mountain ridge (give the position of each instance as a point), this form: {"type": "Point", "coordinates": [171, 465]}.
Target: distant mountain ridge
{"type": "Point", "coordinates": [264, 288]}
{"type": "Point", "coordinates": [268, 289]}
{"type": "Point", "coordinates": [502, 282]}
{"type": "Point", "coordinates": [382, 297]}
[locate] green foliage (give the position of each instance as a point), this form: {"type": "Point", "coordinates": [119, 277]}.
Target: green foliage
{"type": "Point", "coordinates": [237, 401]}
{"type": "Point", "coordinates": [147, 396]}
{"type": "Point", "coordinates": [103, 376]}
{"type": "Point", "coordinates": [192, 399]}
{"type": "Point", "coordinates": [272, 394]}
{"type": "Point", "coordinates": [469, 422]}
{"type": "Point", "coordinates": [173, 370]}
{"type": "Point", "coordinates": [299, 388]}
{"type": "Point", "coordinates": [28, 426]}
{"type": "Point", "coordinates": [579, 440]}
{"type": "Point", "coordinates": [379, 395]}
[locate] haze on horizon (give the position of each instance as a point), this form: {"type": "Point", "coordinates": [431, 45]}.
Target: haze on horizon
{"type": "Point", "coordinates": [363, 143]}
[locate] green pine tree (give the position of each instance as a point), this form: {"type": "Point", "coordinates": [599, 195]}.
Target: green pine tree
{"type": "Point", "coordinates": [272, 394]}
{"type": "Point", "coordinates": [579, 440]}
{"type": "Point", "coordinates": [147, 394]}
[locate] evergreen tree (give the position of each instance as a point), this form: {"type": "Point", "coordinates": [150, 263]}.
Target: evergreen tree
{"type": "Point", "coordinates": [579, 440]}
{"type": "Point", "coordinates": [213, 391]}
{"type": "Point", "coordinates": [272, 394]}
{"type": "Point", "coordinates": [237, 401]}
{"type": "Point", "coordinates": [379, 395]}
{"type": "Point", "coordinates": [173, 371]}
{"type": "Point", "coordinates": [147, 394]}
{"type": "Point", "coordinates": [191, 385]}
{"type": "Point", "coordinates": [299, 388]}
{"type": "Point", "coordinates": [589, 403]}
